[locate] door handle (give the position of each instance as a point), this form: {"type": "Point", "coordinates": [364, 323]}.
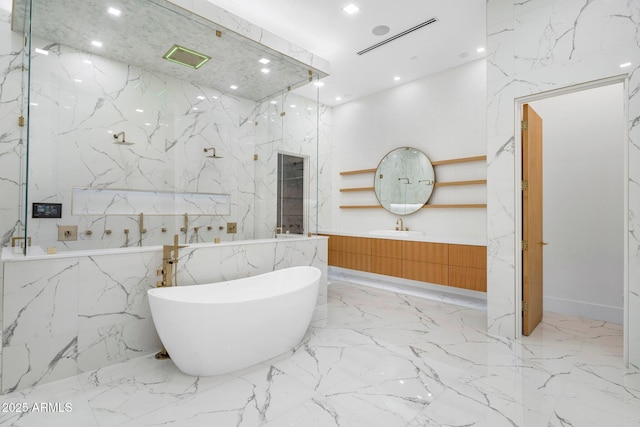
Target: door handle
{"type": "Point", "coordinates": [544, 243]}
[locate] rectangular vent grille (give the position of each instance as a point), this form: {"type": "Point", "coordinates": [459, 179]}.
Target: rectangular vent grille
{"type": "Point", "coordinates": [397, 36]}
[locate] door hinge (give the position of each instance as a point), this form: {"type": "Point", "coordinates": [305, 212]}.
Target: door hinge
{"type": "Point", "coordinates": [524, 185]}
{"type": "Point", "coordinates": [524, 125]}
{"type": "Point", "coordinates": [525, 245]}
{"type": "Point", "coordinates": [525, 306]}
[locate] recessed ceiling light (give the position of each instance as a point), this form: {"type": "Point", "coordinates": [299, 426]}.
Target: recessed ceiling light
{"type": "Point", "coordinates": [96, 43]}
{"type": "Point", "coordinates": [35, 104]}
{"type": "Point", "coordinates": [351, 8]}
{"type": "Point", "coordinates": [77, 80]}
{"type": "Point", "coordinates": [292, 105]}
{"type": "Point", "coordinates": [480, 50]}
{"type": "Point", "coordinates": [274, 102]}
{"type": "Point", "coordinates": [396, 78]}
{"type": "Point", "coordinates": [86, 61]}
{"type": "Point", "coordinates": [201, 97]}
{"type": "Point", "coordinates": [265, 70]}
{"type": "Point", "coordinates": [338, 98]}
{"type": "Point", "coordinates": [195, 108]}
{"type": "Point", "coordinates": [113, 11]}
{"type": "Point", "coordinates": [42, 51]}
{"type": "Point", "coordinates": [214, 97]}
{"type": "Point", "coordinates": [139, 110]}
{"type": "Point", "coordinates": [319, 83]}
{"type": "Point", "coordinates": [233, 87]}
{"type": "Point", "coordinates": [264, 61]}
{"type": "Point", "coordinates": [625, 65]}
{"type": "Point", "coordinates": [147, 124]}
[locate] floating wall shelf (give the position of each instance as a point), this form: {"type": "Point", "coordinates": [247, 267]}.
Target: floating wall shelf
{"type": "Point", "coordinates": [437, 184]}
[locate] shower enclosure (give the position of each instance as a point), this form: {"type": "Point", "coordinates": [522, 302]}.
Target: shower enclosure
{"type": "Point", "coordinates": [117, 141]}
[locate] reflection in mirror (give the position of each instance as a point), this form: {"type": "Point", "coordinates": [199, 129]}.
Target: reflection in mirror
{"type": "Point", "coordinates": [404, 180]}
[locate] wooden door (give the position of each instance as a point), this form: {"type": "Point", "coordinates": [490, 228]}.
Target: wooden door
{"type": "Point", "coordinates": [532, 242]}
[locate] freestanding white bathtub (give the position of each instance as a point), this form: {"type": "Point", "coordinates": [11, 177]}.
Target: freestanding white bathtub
{"type": "Point", "coordinates": [222, 327]}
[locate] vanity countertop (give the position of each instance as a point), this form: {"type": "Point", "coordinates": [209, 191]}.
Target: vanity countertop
{"type": "Point", "coordinates": [414, 238]}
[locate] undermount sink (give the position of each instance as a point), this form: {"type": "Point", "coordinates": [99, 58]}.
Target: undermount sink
{"type": "Point", "coordinates": [397, 233]}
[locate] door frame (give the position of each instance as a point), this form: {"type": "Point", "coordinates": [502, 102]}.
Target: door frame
{"type": "Point", "coordinates": [518, 102]}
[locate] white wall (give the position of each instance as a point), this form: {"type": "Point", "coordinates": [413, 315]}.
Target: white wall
{"type": "Point", "coordinates": [442, 115]}
{"type": "Point", "coordinates": [583, 152]}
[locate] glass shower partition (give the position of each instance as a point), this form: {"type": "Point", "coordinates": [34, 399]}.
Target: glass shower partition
{"type": "Point", "coordinates": [117, 153]}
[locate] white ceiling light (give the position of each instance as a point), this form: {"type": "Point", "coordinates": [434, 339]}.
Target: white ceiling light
{"type": "Point", "coordinates": [338, 98]}
{"type": "Point", "coordinates": [264, 61]}
{"type": "Point", "coordinates": [113, 11]}
{"type": "Point", "coordinates": [480, 49]}
{"type": "Point", "coordinates": [265, 70]}
{"type": "Point", "coordinates": [274, 102]}
{"type": "Point", "coordinates": [625, 65]}
{"type": "Point", "coordinates": [201, 97]}
{"type": "Point", "coordinates": [139, 110]}
{"type": "Point", "coordinates": [396, 78]}
{"type": "Point", "coordinates": [42, 51]}
{"type": "Point", "coordinates": [319, 83]}
{"type": "Point", "coordinates": [351, 8]}
{"type": "Point", "coordinates": [96, 43]}
{"type": "Point", "coordinates": [233, 87]}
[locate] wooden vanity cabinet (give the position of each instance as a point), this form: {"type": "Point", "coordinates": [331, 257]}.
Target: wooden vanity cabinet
{"type": "Point", "coordinates": [426, 262]}
{"type": "Point", "coordinates": [386, 257]}
{"type": "Point", "coordinates": [350, 252]}
{"type": "Point", "coordinates": [462, 266]}
{"type": "Point", "coordinates": [468, 267]}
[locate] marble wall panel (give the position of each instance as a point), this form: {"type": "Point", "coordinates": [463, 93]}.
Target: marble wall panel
{"type": "Point", "coordinates": [64, 315]}
{"type": "Point", "coordinates": [535, 47]}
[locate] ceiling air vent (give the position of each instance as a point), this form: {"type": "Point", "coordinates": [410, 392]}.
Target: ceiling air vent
{"type": "Point", "coordinates": [397, 36]}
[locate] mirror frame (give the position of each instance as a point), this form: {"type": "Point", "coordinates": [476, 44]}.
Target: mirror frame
{"type": "Point", "coordinates": [408, 173]}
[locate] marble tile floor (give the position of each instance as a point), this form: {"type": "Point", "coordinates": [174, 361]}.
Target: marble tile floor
{"type": "Point", "coordinates": [378, 359]}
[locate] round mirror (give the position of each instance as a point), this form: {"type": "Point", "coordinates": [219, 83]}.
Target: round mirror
{"type": "Point", "coordinates": [404, 180]}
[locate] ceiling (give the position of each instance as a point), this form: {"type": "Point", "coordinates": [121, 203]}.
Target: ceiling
{"type": "Point", "coordinates": [322, 27]}
{"type": "Point", "coordinates": [146, 29]}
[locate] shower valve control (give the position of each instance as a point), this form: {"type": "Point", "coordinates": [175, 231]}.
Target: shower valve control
{"type": "Point", "coordinates": [67, 233]}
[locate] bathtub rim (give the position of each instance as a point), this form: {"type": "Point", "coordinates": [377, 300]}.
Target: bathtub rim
{"type": "Point", "coordinates": [314, 276]}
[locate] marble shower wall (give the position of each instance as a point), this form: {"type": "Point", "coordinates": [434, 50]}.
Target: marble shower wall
{"type": "Point", "coordinates": [79, 101]}
{"type": "Point", "coordinates": [537, 46]}
{"type": "Point", "coordinates": [66, 314]}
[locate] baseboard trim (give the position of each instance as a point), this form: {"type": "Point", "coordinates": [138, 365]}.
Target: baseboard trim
{"type": "Point", "coordinates": [584, 309]}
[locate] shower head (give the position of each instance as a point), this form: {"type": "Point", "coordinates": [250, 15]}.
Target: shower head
{"type": "Point", "coordinates": [213, 156]}
{"type": "Point", "coordinates": [121, 142]}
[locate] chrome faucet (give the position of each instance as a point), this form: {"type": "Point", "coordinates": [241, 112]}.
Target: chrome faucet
{"type": "Point", "coordinates": [399, 224]}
